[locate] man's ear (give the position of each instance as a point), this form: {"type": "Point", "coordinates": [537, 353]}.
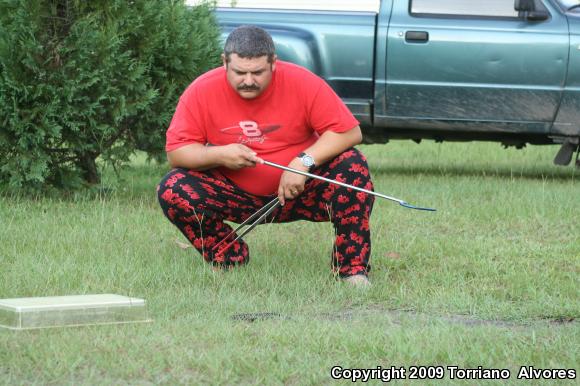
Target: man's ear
{"type": "Point", "coordinates": [274, 62]}
{"type": "Point", "coordinates": [225, 63]}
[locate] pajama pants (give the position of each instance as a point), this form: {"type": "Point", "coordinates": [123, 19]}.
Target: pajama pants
{"type": "Point", "coordinates": [198, 203]}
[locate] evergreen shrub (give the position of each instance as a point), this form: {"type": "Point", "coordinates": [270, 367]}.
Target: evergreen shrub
{"type": "Point", "coordinates": [82, 81]}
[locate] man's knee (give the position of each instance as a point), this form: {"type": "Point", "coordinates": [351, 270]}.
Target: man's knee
{"type": "Point", "coordinates": [167, 184]}
{"type": "Point", "coordinates": [175, 193]}
{"type": "Point", "coordinates": [351, 165]}
{"type": "Point", "coordinates": [351, 168]}
{"type": "Point", "coordinates": [172, 178]}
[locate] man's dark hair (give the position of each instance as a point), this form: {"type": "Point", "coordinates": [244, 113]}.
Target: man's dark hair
{"type": "Point", "coordinates": [248, 41]}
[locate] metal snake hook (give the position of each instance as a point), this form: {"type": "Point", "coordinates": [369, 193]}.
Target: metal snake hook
{"type": "Point", "coordinates": [263, 212]}
{"type": "Point", "coordinates": [401, 202]}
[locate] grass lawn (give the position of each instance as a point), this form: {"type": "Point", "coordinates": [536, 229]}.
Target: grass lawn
{"type": "Point", "coordinates": [490, 279]}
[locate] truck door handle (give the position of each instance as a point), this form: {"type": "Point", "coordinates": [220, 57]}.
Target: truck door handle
{"type": "Point", "coordinates": [417, 36]}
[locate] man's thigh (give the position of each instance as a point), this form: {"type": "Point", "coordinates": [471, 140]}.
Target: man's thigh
{"type": "Point", "coordinates": [209, 193]}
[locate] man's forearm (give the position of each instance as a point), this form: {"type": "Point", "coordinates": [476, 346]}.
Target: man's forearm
{"type": "Point", "coordinates": [195, 157]}
{"type": "Point", "coordinates": [330, 144]}
{"type": "Point", "coordinates": [327, 147]}
{"type": "Point", "coordinates": [200, 157]}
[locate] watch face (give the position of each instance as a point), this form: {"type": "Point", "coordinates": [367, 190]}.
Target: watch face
{"type": "Point", "coordinates": [307, 160]}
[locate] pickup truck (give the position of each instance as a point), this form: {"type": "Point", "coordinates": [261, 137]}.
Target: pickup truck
{"type": "Point", "coordinates": [446, 70]}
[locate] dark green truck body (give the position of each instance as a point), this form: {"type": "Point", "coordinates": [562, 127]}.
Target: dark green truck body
{"type": "Point", "coordinates": [448, 70]}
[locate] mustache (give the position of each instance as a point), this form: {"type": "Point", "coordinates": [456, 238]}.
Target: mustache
{"type": "Point", "coordinates": [245, 87]}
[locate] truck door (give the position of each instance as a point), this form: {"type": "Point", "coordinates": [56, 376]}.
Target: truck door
{"type": "Point", "coordinates": [473, 66]}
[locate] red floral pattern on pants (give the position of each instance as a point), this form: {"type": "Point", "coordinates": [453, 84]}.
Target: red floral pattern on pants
{"type": "Point", "coordinates": [198, 203]}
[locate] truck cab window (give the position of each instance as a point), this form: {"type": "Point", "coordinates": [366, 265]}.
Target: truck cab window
{"type": "Point", "coordinates": [488, 8]}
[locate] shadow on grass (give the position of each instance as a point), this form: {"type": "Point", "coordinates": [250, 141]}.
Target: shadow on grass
{"type": "Point", "coordinates": [561, 173]}
{"type": "Point", "coordinates": [401, 316]}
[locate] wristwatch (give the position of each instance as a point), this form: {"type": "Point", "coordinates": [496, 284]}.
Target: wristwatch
{"type": "Point", "coordinates": [307, 160]}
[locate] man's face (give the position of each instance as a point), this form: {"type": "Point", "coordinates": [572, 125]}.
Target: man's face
{"type": "Point", "coordinates": [249, 77]}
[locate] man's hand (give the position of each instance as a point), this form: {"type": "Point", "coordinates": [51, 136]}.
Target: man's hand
{"type": "Point", "coordinates": [291, 184]}
{"type": "Point", "coordinates": [328, 146]}
{"type": "Point", "coordinates": [236, 156]}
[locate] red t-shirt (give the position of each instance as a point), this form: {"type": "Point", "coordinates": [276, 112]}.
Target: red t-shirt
{"type": "Point", "coordinates": [285, 119]}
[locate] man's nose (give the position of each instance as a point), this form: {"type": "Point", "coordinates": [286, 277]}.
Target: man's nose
{"type": "Point", "coordinates": [248, 79]}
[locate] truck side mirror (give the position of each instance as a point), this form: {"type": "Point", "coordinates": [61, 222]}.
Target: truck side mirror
{"type": "Point", "coordinates": [529, 11]}
{"type": "Point", "coordinates": [524, 5]}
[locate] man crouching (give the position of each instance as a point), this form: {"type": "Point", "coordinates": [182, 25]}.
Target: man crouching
{"type": "Point", "coordinates": [256, 108]}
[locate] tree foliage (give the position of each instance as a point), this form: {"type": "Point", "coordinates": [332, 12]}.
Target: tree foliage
{"type": "Point", "coordinates": [86, 80]}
